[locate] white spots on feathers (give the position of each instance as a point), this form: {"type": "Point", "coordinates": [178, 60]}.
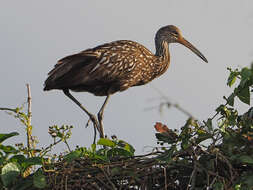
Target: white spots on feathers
{"type": "Point", "coordinates": [125, 85]}
{"type": "Point", "coordinates": [127, 61]}
{"type": "Point", "coordinates": [101, 61]}
{"type": "Point", "coordinates": [110, 65]}
{"type": "Point", "coordinates": [125, 66]}
{"type": "Point", "coordinates": [131, 64]}
{"type": "Point", "coordinates": [95, 68]}
{"type": "Point", "coordinates": [120, 68]}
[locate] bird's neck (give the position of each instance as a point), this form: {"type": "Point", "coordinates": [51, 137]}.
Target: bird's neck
{"type": "Point", "coordinates": [162, 51]}
{"type": "Point", "coordinates": [163, 55]}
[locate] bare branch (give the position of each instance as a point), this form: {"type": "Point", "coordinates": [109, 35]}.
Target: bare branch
{"type": "Point", "coordinates": [169, 103]}
{"type": "Point", "coordinates": [29, 101]}
{"type": "Point", "coordinates": [29, 115]}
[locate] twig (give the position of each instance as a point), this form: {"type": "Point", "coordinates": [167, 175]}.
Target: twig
{"type": "Point", "coordinates": [165, 178]}
{"type": "Point", "coordinates": [107, 177]}
{"type": "Point", "coordinates": [95, 185]}
{"type": "Point", "coordinates": [29, 101]}
{"type": "Point", "coordinates": [9, 109]}
{"type": "Point", "coordinates": [214, 180]}
{"type": "Point", "coordinates": [217, 112]}
{"type": "Point", "coordinates": [67, 145]}
{"type": "Point", "coordinates": [175, 105]}
{"type": "Point", "coordinates": [66, 182]}
{"type": "Point", "coordinates": [183, 110]}
{"type": "Point", "coordinates": [101, 181]}
{"type": "Point", "coordinates": [43, 152]}
{"type": "Point", "coordinates": [192, 180]}
{"type": "Point", "coordinates": [29, 115]}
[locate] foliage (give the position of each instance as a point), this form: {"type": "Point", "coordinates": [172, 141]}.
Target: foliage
{"type": "Point", "coordinates": [112, 149]}
{"type": "Point", "coordinates": [219, 156]}
{"type": "Point", "coordinates": [18, 164]}
{"type": "Point", "coordinates": [213, 154]}
{"type": "Point", "coordinates": [14, 163]}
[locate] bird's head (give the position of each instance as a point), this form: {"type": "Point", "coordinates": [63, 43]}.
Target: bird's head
{"type": "Point", "coordinates": [172, 34]}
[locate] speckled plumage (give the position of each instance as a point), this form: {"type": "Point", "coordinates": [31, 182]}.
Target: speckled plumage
{"type": "Point", "coordinates": [114, 67]}
{"type": "Point", "coordinates": [107, 69]}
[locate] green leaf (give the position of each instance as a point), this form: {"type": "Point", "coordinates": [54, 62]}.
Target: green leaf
{"type": "Point", "coordinates": [246, 75]}
{"type": "Point", "coordinates": [118, 152]}
{"type": "Point", "coordinates": [238, 187]}
{"type": "Point", "coordinates": [129, 148]}
{"type": "Point", "coordinates": [126, 146]}
{"type": "Point", "coordinates": [165, 138]}
{"type": "Point", "coordinates": [106, 142]}
{"type": "Point", "coordinates": [93, 147]}
{"type": "Point", "coordinates": [100, 157]}
{"type": "Point", "coordinates": [232, 78]}
{"type": "Point", "coordinates": [8, 149]}
{"type": "Point", "coordinates": [31, 162]}
{"type": "Point", "coordinates": [230, 99]}
{"type": "Point", "coordinates": [220, 109]}
{"type": "Point", "coordinates": [209, 124]}
{"type": "Point", "coordinates": [18, 158]}
{"type": "Point", "coordinates": [244, 95]}
{"type": "Point", "coordinates": [185, 143]}
{"type": "Point", "coordinates": [10, 172]}
{"type": "Point", "coordinates": [72, 155]}
{"type": "Point", "coordinates": [246, 159]}
{"type": "Point", "coordinates": [39, 180]}
{"type": "Point", "coordinates": [203, 137]}
{"type": "Point", "coordinates": [3, 136]}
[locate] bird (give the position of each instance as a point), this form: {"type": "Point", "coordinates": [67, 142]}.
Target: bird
{"type": "Point", "coordinates": [114, 67]}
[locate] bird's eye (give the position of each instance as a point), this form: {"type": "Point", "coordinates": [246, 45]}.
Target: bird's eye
{"type": "Point", "coordinates": [174, 33]}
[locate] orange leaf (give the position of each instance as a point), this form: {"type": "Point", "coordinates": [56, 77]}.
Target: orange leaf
{"type": "Point", "coordinates": [161, 128]}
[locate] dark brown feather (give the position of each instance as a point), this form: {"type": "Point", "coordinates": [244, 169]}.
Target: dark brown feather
{"type": "Point", "coordinates": [103, 70]}
{"type": "Point", "coordinates": [115, 66]}
{"type": "Point", "coordinates": [67, 71]}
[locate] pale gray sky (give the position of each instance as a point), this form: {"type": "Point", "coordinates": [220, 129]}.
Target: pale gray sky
{"type": "Point", "coordinates": [35, 34]}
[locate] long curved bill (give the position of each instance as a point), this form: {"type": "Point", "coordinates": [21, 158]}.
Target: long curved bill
{"type": "Point", "coordinates": [191, 47]}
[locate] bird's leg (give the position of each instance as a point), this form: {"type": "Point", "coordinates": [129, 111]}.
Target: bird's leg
{"type": "Point", "coordinates": [92, 117]}
{"type": "Point", "coordinates": [101, 115]}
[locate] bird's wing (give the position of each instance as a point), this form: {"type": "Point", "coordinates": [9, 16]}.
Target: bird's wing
{"type": "Point", "coordinates": [116, 61]}
{"type": "Point", "coordinates": [67, 63]}
{"type": "Point", "coordinates": [67, 69]}
{"type": "Point", "coordinates": [111, 62]}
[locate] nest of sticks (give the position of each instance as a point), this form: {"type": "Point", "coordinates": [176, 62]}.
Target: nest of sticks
{"type": "Point", "coordinates": [150, 171]}
{"type": "Point", "coordinates": [139, 172]}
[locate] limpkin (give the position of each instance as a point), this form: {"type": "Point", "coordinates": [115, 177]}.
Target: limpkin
{"type": "Point", "coordinates": [114, 67]}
